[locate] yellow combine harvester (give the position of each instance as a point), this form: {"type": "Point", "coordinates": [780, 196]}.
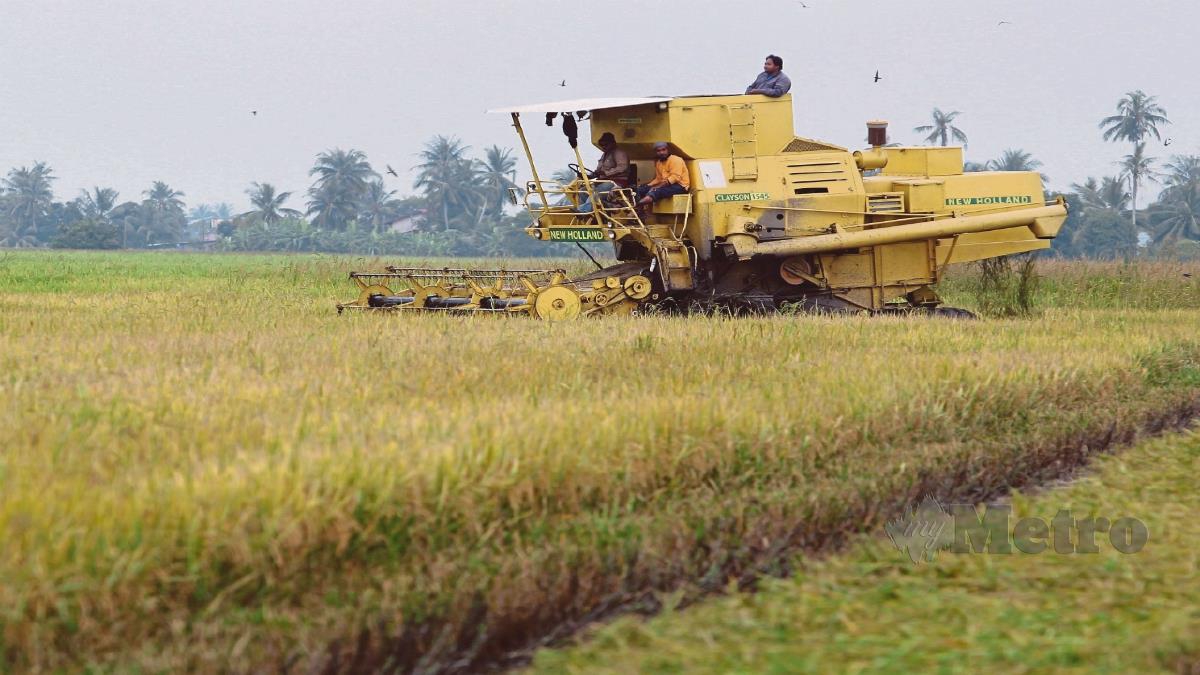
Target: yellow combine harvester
{"type": "Point", "coordinates": [771, 219]}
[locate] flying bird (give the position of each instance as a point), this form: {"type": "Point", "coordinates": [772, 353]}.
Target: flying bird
{"type": "Point", "coordinates": [254, 113]}
{"type": "Point", "coordinates": [1003, 23]}
{"type": "Point", "coordinates": [1167, 142]}
{"type": "Point", "coordinates": [563, 83]}
{"type": "Point", "coordinates": [877, 77]}
{"type": "Point", "coordinates": [804, 5]}
{"type": "Point", "coordinates": [392, 171]}
{"type": "Point", "coordinates": [1188, 275]}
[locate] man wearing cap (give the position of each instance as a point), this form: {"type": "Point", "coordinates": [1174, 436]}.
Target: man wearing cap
{"type": "Point", "coordinates": [670, 177]}
{"type": "Point", "coordinates": [771, 81]}
{"type": "Point", "coordinates": [612, 170]}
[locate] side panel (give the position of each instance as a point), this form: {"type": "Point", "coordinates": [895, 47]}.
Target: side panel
{"type": "Point", "coordinates": [909, 262]}
{"type": "Point", "coordinates": [924, 162]}
{"type": "Point", "coordinates": [636, 128]}
{"type": "Point", "coordinates": [992, 191]}
{"type": "Point", "coordinates": [796, 194]}
{"type": "Point", "coordinates": [981, 245]}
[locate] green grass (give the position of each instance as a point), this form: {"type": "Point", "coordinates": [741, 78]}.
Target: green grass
{"type": "Point", "coordinates": [1095, 285]}
{"type": "Point", "coordinates": [204, 466]}
{"type": "Point", "coordinates": [870, 609]}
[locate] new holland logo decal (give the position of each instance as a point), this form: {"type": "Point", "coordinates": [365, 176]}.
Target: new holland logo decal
{"type": "Point", "coordinates": [985, 201]}
{"type": "Point", "coordinates": [576, 234]}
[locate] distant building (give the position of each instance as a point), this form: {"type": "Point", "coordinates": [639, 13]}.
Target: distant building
{"type": "Point", "coordinates": [409, 223]}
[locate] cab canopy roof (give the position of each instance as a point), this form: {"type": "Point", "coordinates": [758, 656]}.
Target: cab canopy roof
{"type": "Point", "coordinates": [581, 104]}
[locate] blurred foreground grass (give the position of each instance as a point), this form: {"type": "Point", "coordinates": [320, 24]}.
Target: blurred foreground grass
{"type": "Point", "coordinates": [204, 466]}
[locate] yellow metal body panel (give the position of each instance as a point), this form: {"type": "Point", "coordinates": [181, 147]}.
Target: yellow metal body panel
{"type": "Point", "coordinates": [981, 245]}
{"type": "Point", "coordinates": [922, 195]}
{"type": "Point", "coordinates": [699, 126]}
{"type": "Point", "coordinates": [678, 204]}
{"type": "Point", "coordinates": [923, 162]}
{"type": "Point", "coordinates": [993, 190]}
{"type": "Point", "coordinates": [905, 262]}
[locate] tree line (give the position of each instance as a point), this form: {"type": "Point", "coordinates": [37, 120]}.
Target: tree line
{"type": "Point", "coordinates": [459, 204]}
{"type": "Point", "coordinates": [459, 209]}
{"type": "Point", "coordinates": [1104, 212]}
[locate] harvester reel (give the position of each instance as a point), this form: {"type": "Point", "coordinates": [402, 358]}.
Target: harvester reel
{"type": "Point", "coordinates": [421, 293]}
{"type": "Point", "coordinates": [364, 297]}
{"type": "Point", "coordinates": [557, 303]}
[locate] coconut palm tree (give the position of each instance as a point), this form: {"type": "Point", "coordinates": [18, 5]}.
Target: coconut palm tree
{"type": "Point", "coordinates": [164, 197]}
{"type": "Point", "coordinates": [1136, 168]}
{"type": "Point", "coordinates": [163, 216]}
{"type": "Point", "coordinates": [201, 212]}
{"type": "Point", "coordinates": [379, 207]}
{"type": "Point", "coordinates": [450, 184]}
{"type": "Point", "coordinates": [1106, 195]}
{"type": "Point", "coordinates": [1088, 192]}
{"type": "Point", "coordinates": [1138, 117]}
{"type": "Point", "coordinates": [1016, 159]}
{"type": "Point", "coordinates": [1183, 174]}
{"type": "Point", "coordinates": [498, 173]}
{"type": "Point", "coordinates": [342, 178]}
{"type": "Point", "coordinates": [1113, 194]}
{"type": "Point", "coordinates": [942, 129]}
{"type": "Point", "coordinates": [221, 211]}
{"type": "Point", "coordinates": [328, 210]}
{"type": "Point", "coordinates": [1178, 207]}
{"type": "Point", "coordinates": [344, 168]}
{"type": "Point", "coordinates": [98, 203]}
{"type": "Point", "coordinates": [28, 199]}
{"type": "Point", "coordinates": [1178, 217]}
{"type": "Point", "coordinates": [268, 205]}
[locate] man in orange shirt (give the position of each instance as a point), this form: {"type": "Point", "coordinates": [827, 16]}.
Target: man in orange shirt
{"type": "Point", "coordinates": [670, 177]}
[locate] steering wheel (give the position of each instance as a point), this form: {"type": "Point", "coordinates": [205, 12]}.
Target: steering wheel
{"type": "Point", "coordinates": [578, 171]}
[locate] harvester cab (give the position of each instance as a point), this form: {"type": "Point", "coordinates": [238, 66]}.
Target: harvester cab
{"type": "Point", "coordinates": [770, 219]}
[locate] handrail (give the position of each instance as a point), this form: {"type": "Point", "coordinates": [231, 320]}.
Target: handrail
{"type": "Point", "coordinates": [611, 216]}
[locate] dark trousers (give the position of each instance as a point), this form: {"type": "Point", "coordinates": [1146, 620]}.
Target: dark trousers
{"type": "Point", "coordinates": [660, 192]}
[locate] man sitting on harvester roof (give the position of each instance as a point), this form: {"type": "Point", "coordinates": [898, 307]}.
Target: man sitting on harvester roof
{"type": "Point", "coordinates": [670, 177]}
{"type": "Point", "coordinates": [771, 81]}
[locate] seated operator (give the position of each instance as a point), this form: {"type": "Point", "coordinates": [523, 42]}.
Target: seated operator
{"type": "Point", "coordinates": [771, 81]}
{"type": "Point", "coordinates": [670, 177]}
{"type": "Point", "coordinates": [612, 170]}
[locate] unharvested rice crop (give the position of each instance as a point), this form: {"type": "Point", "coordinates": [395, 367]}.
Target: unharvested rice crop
{"type": "Point", "coordinates": [204, 467]}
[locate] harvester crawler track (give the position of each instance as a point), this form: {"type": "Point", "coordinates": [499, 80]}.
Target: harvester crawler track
{"type": "Point", "coordinates": [543, 294]}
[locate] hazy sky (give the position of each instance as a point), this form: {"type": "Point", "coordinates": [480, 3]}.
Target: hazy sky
{"type": "Point", "coordinates": [121, 92]}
